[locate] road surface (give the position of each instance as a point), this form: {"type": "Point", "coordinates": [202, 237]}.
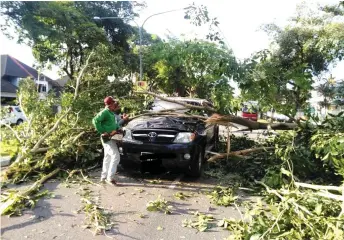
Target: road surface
{"type": "Point", "coordinates": [57, 217]}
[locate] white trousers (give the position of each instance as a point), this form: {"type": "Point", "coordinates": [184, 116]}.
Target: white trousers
{"type": "Point", "coordinates": [111, 160]}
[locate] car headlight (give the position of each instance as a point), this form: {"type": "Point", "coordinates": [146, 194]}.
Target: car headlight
{"type": "Point", "coordinates": [127, 134]}
{"type": "Point", "coordinates": [184, 137]}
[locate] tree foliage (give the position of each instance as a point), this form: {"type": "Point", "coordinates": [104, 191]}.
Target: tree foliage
{"type": "Point", "coordinates": [191, 68]}
{"type": "Point", "coordinates": [282, 77]}
{"type": "Point", "coordinates": [63, 33]}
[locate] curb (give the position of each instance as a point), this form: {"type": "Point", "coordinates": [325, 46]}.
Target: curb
{"type": "Point", "coordinates": [5, 161]}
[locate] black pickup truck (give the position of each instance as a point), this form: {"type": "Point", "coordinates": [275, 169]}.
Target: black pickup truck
{"type": "Point", "coordinates": [175, 142]}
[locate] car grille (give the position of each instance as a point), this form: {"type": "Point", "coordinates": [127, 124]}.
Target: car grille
{"type": "Point", "coordinates": [154, 136]}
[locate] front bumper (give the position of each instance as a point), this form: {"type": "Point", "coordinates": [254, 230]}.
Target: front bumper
{"type": "Point", "coordinates": [172, 155]}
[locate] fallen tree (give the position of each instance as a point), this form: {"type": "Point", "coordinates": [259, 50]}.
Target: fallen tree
{"type": "Point", "coordinates": [69, 141]}
{"type": "Point", "coordinates": [239, 153]}
{"type": "Point", "coordinates": [221, 119]}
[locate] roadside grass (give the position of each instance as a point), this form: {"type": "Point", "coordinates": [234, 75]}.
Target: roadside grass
{"type": "Point", "coordinates": [8, 148]}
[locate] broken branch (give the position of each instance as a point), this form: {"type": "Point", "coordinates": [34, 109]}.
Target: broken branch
{"type": "Point", "coordinates": [47, 134]}
{"type": "Point", "coordinates": [319, 187]}
{"type": "Point", "coordinates": [189, 106]}
{"type": "Point", "coordinates": [169, 114]}
{"type": "Point", "coordinates": [224, 119]}
{"type": "Point", "coordinates": [11, 202]}
{"type": "Point", "coordinates": [14, 132]}
{"type": "Point", "coordinates": [239, 153]}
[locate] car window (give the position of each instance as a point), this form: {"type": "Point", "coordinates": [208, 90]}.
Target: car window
{"type": "Point", "coordinates": [18, 109]}
{"type": "Point", "coordinates": [250, 109]}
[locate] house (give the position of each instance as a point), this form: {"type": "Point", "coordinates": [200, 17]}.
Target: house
{"type": "Point", "coordinates": [13, 70]}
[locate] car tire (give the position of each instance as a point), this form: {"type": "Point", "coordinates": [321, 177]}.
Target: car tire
{"type": "Point", "coordinates": [19, 121]}
{"type": "Point", "coordinates": [197, 165]}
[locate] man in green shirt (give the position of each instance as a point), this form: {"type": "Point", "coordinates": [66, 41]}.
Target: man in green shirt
{"type": "Point", "coordinates": [106, 124]}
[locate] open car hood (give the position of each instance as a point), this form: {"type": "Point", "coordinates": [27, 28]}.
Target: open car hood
{"type": "Point", "coordinates": [164, 122]}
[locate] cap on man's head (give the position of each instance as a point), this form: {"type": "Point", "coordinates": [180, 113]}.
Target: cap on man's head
{"type": "Point", "coordinates": [109, 100]}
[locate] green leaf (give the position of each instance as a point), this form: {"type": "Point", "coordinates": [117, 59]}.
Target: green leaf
{"type": "Point", "coordinates": [255, 237]}
{"type": "Point", "coordinates": [285, 172]}
{"type": "Point", "coordinates": [203, 228]}
{"type": "Point", "coordinates": [318, 209]}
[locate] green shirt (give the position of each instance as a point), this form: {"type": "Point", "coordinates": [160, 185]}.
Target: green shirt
{"type": "Point", "coordinates": [105, 121]}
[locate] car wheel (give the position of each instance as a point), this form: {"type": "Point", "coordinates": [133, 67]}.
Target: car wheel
{"type": "Point", "coordinates": [196, 166]}
{"type": "Point", "coordinates": [20, 121]}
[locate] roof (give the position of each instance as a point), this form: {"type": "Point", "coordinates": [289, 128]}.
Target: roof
{"type": "Point", "coordinates": [6, 86]}
{"type": "Point", "coordinates": [11, 66]}
{"type": "Point", "coordinates": [62, 81]}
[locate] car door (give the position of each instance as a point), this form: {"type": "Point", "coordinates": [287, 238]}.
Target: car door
{"type": "Point", "coordinates": [19, 114]}
{"type": "Point", "coordinates": [11, 116]}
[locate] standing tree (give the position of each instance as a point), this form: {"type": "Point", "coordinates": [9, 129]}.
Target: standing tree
{"type": "Point", "coordinates": [283, 76]}
{"type": "Point", "coordinates": [189, 68]}
{"type": "Point", "coordinates": [63, 33]}
{"type": "Point", "coordinates": [328, 91]}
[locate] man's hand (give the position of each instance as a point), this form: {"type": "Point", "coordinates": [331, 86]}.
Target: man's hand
{"type": "Point", "coordinates": [105, 134]}
{"type": "Point", "coordinates": [113, 132]}
{"type": "Point", "coordinates": [125, 117]}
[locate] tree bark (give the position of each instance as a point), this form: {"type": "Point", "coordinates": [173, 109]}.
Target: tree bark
{"type": "Point", "coordinates": [189, 106]}
{"type": "Point", "coordinates": [224, 119]}
{"type": "Point", "coordinates": [239, 153]}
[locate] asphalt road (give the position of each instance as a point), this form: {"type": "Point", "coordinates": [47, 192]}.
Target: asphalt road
{"type": "Point", "coordinates": [57, 217]}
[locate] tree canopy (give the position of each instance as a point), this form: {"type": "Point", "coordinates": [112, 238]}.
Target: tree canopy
{"type": "Point", "coordinates": [63, 33]}
{"type": "Point", "coordinates": [189, 68]}
{"type": "Point", "coordinates": [283, 76]}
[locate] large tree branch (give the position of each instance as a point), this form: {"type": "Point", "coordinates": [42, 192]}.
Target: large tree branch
{"type": "Point", "coordinates": [40, 150]}
{"type": "Point", "coordinates": [224, 119]}
{"type": "Point", "coordinates": [14, 132]}
{"type": "Point", "coordinates": [220, 119]}
{"type": "Point", "coordinates": [80, 76]}
{"type": "Point", "coordinates": [47, 134]}
{"type": "Point", "coordinates": [320, 187]}
{"type": "Point", "coordinates": [23, 194]}
{"type": "Point", "coordinates": [239, 153]}
{"type": "Point", "coordinates": [189, 106]}
{"type": "Point", "coordinates": [169, 114]}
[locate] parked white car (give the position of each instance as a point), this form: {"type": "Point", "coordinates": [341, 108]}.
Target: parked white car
{"type": "Point", "coordinates": [277, 116]}
{"type": "Point", "coordinates": [14, 115]}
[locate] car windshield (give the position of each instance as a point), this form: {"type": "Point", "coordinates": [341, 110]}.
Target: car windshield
{"type": "Point", "coordinates": [249, 110]}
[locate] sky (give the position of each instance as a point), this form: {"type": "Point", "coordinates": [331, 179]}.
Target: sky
{"type": "Point", "coordinates": [240, 22]}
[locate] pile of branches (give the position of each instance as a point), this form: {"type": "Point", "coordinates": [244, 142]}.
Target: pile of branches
{"type": "Point", "coordinates": [48, 141]}
{"type": "Point", "coordinates": [304, 211]}
{"type": "Point", "coordinates": [311, 153]}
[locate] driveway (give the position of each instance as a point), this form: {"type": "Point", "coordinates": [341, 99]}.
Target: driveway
{"type": "Point", "coordinates": [57, 217]}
